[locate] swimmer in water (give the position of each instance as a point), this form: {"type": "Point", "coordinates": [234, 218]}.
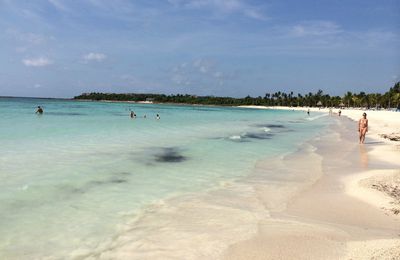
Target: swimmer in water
{"type": "Point", "coordinates": [133, 115]}
{"type": "Point", "coordinates": [39, 110]}
{"type": "Point", "coordinates": [158, 117]}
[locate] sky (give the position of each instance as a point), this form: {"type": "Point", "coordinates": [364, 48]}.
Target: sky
{"type": "Point", "coordinates": [61, 48]}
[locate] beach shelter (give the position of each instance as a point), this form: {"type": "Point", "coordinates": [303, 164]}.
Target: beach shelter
{"type": "Point", "coordinates": [319, 103]}
{"type": "Point", "coordinates": [341, 104]}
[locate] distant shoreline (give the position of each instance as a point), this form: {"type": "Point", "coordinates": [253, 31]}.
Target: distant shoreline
{"type": "Point", "coordinates": [153, 103]}
{"type": "Point", "coordinates": [276, 107]}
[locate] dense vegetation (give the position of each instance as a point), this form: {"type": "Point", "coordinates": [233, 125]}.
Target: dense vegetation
{"type": "Point", "coordinates": [389, 99]}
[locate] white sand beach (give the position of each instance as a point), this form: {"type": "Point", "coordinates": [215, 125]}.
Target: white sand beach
{"type": "Point", "coordinates": [352, 210]}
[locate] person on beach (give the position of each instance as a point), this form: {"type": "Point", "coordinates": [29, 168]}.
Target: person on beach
{"type": "Point", "coordinates": [340, 112]}
{"type": "Point", "coordinates": [363, 127]}
{"type": "Point", "coordinates": [39, 110]}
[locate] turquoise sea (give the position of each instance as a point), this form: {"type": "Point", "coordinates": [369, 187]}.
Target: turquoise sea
{"type": "Point", "coordinates": [70, 177]}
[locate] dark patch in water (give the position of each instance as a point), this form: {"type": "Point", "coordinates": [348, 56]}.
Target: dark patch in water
{"type": "Point", "coordinates": [258, 135]}
{"type": "Point", "coordinates": [241, 140]}
{"type": "Point", "coordinates": [77, 190]}
{"type": "Point", "coordinates": [271, 125]}
{"type": "Point", "coordinates": [170, 155]}
{"type": "Point", "coordinates": [117, 180]}
{"type": "Point", "coordinates": [123, 173]}
{"type": "Point", "coordinates": [65, 113]}
{"type": "Point", "coordinates": [118, 114]}
{"type": "Point", "coordinates": [95, 183]}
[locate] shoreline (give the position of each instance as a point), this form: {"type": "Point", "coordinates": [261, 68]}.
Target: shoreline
{"type": "Point", "coordinates": [332, 219]}
{"type": "Point", "coordinates": [317, 215]}
{"type": "Point", "coordinates": [195, 226]}
{"type": "Point", "coordinates": [313, 216]}
{"type": "Point", "coordinates": [319, 201]}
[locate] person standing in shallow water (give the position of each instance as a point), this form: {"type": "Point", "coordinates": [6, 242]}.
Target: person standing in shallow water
{"type": "Point", "coordinates": [39, 110]}
{"type": "Point", "coordinates": [363, 127]}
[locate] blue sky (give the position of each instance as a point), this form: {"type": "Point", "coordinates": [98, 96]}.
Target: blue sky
{"type": "Point", "coordinates": [61, 48]}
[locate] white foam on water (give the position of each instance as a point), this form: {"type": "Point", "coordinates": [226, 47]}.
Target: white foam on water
{"type": "Point", "coordinates": [316, 117]}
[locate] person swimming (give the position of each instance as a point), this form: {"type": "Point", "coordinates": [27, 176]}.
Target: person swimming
{"type": "Point", "coordinates": [158, 117]}
{"type": "Point", "coordinates": [39, 110]}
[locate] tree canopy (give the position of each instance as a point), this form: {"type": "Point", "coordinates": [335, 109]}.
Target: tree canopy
{"type": "Point", "coordinates": [388, 99]}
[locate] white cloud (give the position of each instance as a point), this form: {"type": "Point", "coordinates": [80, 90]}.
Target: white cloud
{"type": "Point", "coordinates": [374, 38]}
{"type": "Point", "coordinates": [199, 72]}
{"type": "Point", "coordinates": [315, 28]}
{"type": "Point", "coordinates": [252, 13]}
{"type": "Point", "coordinates": [37, 62]}
{"type": "Point", "coordinates": [94, 57]}
{"type": "Point", "coordinates": [202, 65]}
{"type": "Point", "coordinates": [222, 7]}
{"type": "Point", "coordinates": [218, 74]}
{"type": "Point", "coordinates": [58, 5]}
{"type": "Point", "coordinates": [180, 79]}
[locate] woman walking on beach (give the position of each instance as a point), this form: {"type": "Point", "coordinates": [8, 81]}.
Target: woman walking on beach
{"type": "Point", "coordinates": [363, 127]}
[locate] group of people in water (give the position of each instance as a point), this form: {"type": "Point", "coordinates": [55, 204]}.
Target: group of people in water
{"type": "Point", "coordinates": [133, 115]}
{"type": "Point", "coordinates": [40, 111]}
{"type": "Point", "coordinates": [362, 123]}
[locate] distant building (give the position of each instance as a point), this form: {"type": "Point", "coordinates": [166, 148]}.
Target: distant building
{"type": "Point", "coordinates": [149, 99]}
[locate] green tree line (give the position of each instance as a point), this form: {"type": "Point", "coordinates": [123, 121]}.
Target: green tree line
{"type": "Point", "coordinates": [389, 99]}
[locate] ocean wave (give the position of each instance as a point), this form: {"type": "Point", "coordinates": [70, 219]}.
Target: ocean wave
{"type": "Point", "coordinates": [266, 129]}
{"type": "Point", "coordinates": [315, 117]}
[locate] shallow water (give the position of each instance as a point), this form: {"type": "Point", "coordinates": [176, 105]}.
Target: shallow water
{"type": "Point", "coordinates": [70, 178]}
